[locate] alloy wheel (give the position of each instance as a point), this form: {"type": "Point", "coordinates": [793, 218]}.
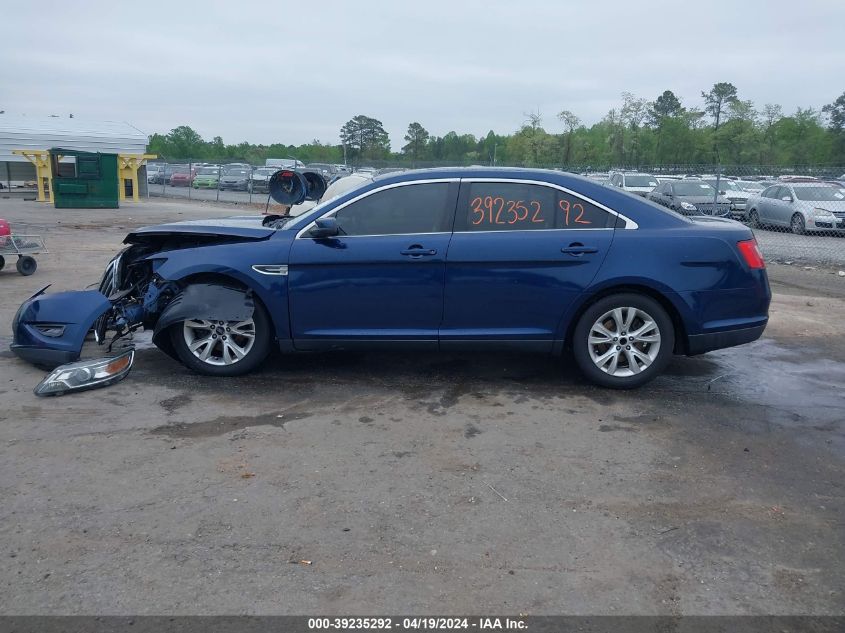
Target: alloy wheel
{"type": "Point", "coordinates": [219, 343]}
{"type": "Point", "coordinates": [624, 341]}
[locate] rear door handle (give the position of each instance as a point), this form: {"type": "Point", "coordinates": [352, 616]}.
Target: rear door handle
{"type": "Point", "coordinates": [575, 249]}
{"type": "Point", "coordinates": [418, 251]}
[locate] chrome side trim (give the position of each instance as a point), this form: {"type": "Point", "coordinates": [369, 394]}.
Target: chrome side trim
{"type": "Point", "coordinates": [271, 269]}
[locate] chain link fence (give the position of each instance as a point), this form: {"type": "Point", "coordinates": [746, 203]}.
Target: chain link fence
{"type": "Point", "coordinates": [797, 213]}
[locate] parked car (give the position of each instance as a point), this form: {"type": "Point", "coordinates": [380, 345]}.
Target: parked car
{"type": "Point", "coordinates": [428, 259]}
{"type": "Point", "coordinates": [163, 174]}
{"type": "Point", "coordinates": [734, 193]}
{"type": "Point", "coordinates": [633, 182]}
{"type": "Point", "coordinates": [182, 177]}
{"type": "Point", "coordinates": [690, 197]}
{"type": "Point", "coordinates": [751, 186]}
{"type": "Point", "coordinates": [259, 179]}
{"type": "Point", "coordinates": [153, 172]}
{"type": "Point", "coordinates": [803, 207]}
{"type": "Point", "coordinates": [235, 179]}
{"type": "Point", "coordinates": [328, 171]}
{"type": "Point", "coordinates": [206, 178]}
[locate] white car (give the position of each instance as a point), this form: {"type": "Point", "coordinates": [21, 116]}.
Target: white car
{"type": "Point", "coordinates": [633, 182]}
{"type": "Point", "coordinates": [732, 191]}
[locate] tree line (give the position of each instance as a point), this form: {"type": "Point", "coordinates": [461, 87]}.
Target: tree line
{"type": "Point", "coordinates": [722, 128]}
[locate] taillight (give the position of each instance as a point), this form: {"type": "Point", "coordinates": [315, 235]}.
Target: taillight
{"type": "Point", "coordinates": [751, 253]}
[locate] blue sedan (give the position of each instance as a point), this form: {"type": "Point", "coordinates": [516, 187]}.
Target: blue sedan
{"type": "Point", "coordinates": [444, 259]}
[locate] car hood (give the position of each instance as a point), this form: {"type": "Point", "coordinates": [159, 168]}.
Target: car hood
{"type": "Point", "coordinates": [703, 199]}
{"type": "Point", "coordinates": [828, 205]}
{"type": "Point", "coordinates": [206, 177]}
{"type": "Point", "coordinates": [248, 227]}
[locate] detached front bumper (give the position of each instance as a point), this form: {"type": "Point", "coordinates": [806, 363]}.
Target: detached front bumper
{"type": "Point", "coordinates": [50, 329]}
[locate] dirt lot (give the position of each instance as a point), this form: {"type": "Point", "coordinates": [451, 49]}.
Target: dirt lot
{"type": "Point", "coordinates": [433, 483]}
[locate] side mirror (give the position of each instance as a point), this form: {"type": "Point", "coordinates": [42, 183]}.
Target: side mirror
{"type": "Point", "coordinates": [787, 198]}
{"type": "Point", "coordinates": [324, 227]}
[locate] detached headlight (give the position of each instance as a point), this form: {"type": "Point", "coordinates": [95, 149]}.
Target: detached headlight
{"type": "Point", "coordinates": [686, 206]}
{"type": "Point", "coordinates": [86, 374]}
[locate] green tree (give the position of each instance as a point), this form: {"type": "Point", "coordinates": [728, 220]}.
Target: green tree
{"type": "Point", "coordinates": [417, 137]}
{"type": "Point", "coordinates": [185, 142]}
{"type": "Point", "coordinates": [365, 137]}
{"type": "Point", "coordinates": [570, 122]}
{"type": "Point", "coordinates": [836, 126]}
{"type": "Point", "coordinates": [715, 103]}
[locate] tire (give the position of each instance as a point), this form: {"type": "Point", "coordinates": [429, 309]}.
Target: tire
{"type": "Point", "coordinates": [609, 367]}
{"type": "Point", "coordinates": [262, 327]}
{"type": "Point", "coordinates": [2, 262]}
{"type": "Point", "coordinates": [754, 219]}
{"type": "Point", "coordinates": [796, 224]}
{"type": "Point", "coordinates": [26, 265]}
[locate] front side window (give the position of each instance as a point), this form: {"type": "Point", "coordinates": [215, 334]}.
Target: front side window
{"type": "Point", "coordinates": [398, 211]}
{"type": "Point", "coordinates": [511, 206]}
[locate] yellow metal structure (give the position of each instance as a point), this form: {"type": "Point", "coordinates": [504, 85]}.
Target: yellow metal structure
{"type": "Point", "coordinates": [43, 176]}
{"type": "Point", "coordinates": [127, 169]}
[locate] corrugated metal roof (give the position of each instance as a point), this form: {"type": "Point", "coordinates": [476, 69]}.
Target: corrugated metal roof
{"type": "Point", "coordinates": [23, 132]}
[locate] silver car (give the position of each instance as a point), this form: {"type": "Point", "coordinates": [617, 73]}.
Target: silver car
{"type": "Point", "coordinates": [733, 192]}
{"type": "Point", "coordinates": [804, 207]}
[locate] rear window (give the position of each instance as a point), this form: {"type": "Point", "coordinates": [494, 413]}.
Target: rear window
{"type": "Point", "coordinates": [511, 206]}
{"type": "Point", "coordinates": [640, 181]}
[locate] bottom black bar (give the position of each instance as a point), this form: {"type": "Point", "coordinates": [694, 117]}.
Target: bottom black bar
{"type": "Point", "coordinates": [309, 624]}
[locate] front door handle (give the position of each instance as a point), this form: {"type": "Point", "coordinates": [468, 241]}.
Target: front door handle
{"type": "Point", "coordinates": [418, 251]}
{"type": "Point", "coordinates": [576, 249]}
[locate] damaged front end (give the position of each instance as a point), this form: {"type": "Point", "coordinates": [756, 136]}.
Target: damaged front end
{"type": "Point", "coordinates": [49, 330]}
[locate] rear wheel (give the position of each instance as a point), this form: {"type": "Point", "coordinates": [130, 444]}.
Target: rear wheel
{"type": "Point", "coordinates": [797, 224]}
{"type": "Point", "coordinates": [754, 219]}
{"type": "Point", "coordinates": [623, 341]}
{"type": "Point", "coordinates": [2, 262]}
{"type": "Point", "coordinates": [223, 348]}
{"type": "Point", "coordinates": [26, 265]}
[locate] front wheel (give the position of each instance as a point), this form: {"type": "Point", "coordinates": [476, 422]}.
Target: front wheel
{"type": "Point", "coordinates": [623, 341]}
{"type": "Point", "coordinates": [797, 224]}
{"type": "Point", "coordinates": [223, 348]}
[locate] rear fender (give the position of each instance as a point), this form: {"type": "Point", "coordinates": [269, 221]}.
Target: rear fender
{"type": "Point", "coordinates": [211, 302]}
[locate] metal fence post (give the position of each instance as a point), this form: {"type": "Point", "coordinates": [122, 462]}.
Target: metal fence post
{"type": "Point", "coordinates": [190, 180]}
{"type": "Point", "coordinates": [218, 182]}
{"type": "Point", "coordinates": [251, 181]}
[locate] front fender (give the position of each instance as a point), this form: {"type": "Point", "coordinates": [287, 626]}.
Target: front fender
{"type": "Point", "coordinates": [50, 329]}
{"type": "Point", "coordinates": [211, 302]}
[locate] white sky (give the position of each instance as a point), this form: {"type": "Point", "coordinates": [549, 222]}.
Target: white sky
{"type": "Point", "coordinates": [268, 72]}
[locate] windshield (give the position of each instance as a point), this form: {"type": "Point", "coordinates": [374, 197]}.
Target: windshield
{"type": "Point", "coordinates": [640, 181]}
{"type": "Point", "coordinates": [265, 172]}
{"type": "Point", "coordinates": [820, 194]}
{"type": "Point", "coordinates": [207, 171]}
{"type": "Point", "coordinates": [693, 189]}
{"type": "Point", "coordinates": [750, 186]}
{"type": "Point", "coordinates": [725, 185]}
{"type": "Point", "coordinates": [237, 172]}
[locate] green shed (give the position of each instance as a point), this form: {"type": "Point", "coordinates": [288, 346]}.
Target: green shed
{"type": "Point", "coordinates": [84, 180]}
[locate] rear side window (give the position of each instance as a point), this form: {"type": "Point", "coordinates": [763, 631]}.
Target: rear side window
{"type": "Point", "coordinates": [399, 211]}
{"type": "Point", "coordinates": [512, 206]}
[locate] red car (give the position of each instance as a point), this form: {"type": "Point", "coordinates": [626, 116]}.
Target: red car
{"type": "Point", "coordinates": [182, 178]}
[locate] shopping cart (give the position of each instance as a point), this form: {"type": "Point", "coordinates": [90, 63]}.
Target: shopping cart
{"type": "Point", "coordinates": [22, 246]}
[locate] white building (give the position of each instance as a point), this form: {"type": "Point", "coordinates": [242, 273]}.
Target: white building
{"type": "Point", "coordinates": [36, 133]}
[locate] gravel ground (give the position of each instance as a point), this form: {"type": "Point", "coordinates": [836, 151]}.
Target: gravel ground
{"type": "Point", "coordinates": [377, 483]}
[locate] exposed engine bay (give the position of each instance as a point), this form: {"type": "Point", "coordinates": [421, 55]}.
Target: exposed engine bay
{"type": "Point", "coordinates": [140, 298]}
